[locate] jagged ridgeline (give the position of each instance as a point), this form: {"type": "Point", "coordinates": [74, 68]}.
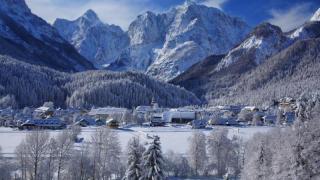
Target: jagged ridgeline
{"type": "Point", "coordinates": [32, 85]}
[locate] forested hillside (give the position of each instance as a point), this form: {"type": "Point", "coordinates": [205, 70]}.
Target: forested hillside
{"type": "Point", "coordinates": [290, 72]}
{"type": "Point", "coordinates": [23, 84]}
{"type": "Point", "coordinates": [269, 64]}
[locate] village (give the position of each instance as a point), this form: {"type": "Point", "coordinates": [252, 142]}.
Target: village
{"type": "Point", "coordinates": [180, 130]}
{"type": "Point", "coordinates": [281, 113]}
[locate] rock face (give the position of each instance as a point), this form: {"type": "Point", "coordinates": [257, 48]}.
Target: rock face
{"type": "Point", "coordinates": [100, 43]}
{"type": "Point", "coordinates": [27, 37]}
{"type": "Point", "coordinates": [146, 35]}
{"type": "Point", "coordinates": [195, 32]}
{"type": "Point", "coordinates": [161, 45]}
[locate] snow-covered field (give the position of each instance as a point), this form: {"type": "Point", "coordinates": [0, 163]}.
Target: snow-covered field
{"type": "Point", "coordinates": [173, 138]}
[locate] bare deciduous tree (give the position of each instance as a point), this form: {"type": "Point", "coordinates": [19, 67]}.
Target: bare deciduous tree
{"type": "Point", "coordinates": [32, 153]}
{"type": "Point", "coordinates": [198, 152]}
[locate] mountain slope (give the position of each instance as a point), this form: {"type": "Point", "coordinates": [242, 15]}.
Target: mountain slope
{"type": "Point", "coordinates": [264, 41]}
{"type": "Point", "coordinates": [245, 72]}
{"type": "Point", "coordinates": [289, 73]}
{"type": "Point", "coordinates": [33, 85]}
{"type": "Point", "coordinates": [27, 37]}
{"type": "Point", "coordinates": [98, 42]}
{"type": "Point", "coordinates": [165, 45]}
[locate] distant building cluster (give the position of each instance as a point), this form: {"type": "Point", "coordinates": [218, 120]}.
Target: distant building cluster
{"type": "Point", "coordinates": [282, 112]}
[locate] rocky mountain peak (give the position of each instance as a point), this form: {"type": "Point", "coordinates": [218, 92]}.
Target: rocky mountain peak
{"type": "Point", "coordinates": [266, 29]}
{"type": "Point", "coordinates": [189, 3]}
{"type": "Point", "coordinates": [100, 43]}
{"type": "Point", "coordinates": [166, 44]}
{"type": "Point", "coordinates": [145, 29]}
{"type": "Point", "coordinates": [90, 15]}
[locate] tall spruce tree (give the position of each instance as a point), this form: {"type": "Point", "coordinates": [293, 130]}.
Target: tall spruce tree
{"type": "Point", "coordinates": [135, 151]}
{"type": "Point", "coordinates": [153, 161]}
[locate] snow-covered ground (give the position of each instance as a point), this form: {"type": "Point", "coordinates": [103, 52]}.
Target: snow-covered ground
{"type": "Point", "coordinates": [173, 138]}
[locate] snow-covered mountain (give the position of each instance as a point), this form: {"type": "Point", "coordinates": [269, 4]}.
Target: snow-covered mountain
{"type": "Point", "coordinates": [98, 42]}
{"type": "Point", "coordinates": [162, 45]}
{"type": "Point", "coordinates": [147, 34]}
{"type": "Point", "coordinates": [195, 32]}
{"type": "Point", "coordinates": [165, 45]}
{"type": "Point", "coordinates": [29, 38]}
{"type": "Point", "coordinates": [310, 29]}
{"type": "Point", "coordinates": [264, 41]}
{"type": "Point", "coordinates": [268, 64]}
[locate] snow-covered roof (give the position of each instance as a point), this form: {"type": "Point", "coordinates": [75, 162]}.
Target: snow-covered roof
{"type": "Point", "coordinates": [250, 108]}
{"type": "Point", "coordinates": [107, 111]}
{"type": "Point", "coordinates": [44, 122]}
{"type": "Point", "coordinates": [43, 109]}
{"type": "Point", "coordinates": [182, 110]}
{"type": "Point", "coordinates": [144, 108]}
{"type": "Point", "coordinates": [169, 115]}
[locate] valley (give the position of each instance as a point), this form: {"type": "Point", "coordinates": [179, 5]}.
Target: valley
{"type": "Point", "coordinates": [188, 91]}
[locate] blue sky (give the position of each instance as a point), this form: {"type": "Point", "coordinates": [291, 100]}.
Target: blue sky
{"type": "Point", "coordinates": [287, 14]}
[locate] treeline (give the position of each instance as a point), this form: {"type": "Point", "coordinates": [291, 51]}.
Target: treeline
{"type": "Point", "coordinates": [22, 84]}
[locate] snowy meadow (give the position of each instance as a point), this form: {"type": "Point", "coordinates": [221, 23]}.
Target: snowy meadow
{"type": "Point", "coordinates": [172, 138]}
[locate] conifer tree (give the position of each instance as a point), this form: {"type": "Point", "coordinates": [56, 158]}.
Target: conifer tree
{"type": "Point", "coordinates": [153, 161]}
{"type": "Point", "coordinates": [135, 151]}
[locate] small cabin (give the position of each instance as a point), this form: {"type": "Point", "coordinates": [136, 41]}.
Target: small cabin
{"type": "Point", "coordinates": [112, 123]}
{"type": "Point", "coordinates": [44, 112]}
{"type": "Point", "coordinates": [287, 104]}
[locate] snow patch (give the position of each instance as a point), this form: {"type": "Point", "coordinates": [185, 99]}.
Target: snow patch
{"type": "Point", "coordinates": [316, 16]}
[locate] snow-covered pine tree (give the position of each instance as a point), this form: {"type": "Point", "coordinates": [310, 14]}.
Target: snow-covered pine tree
{"type": "Point", "coordinates": [153, 161]}
{"type": "Point", "coordinates": [135, 151]}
